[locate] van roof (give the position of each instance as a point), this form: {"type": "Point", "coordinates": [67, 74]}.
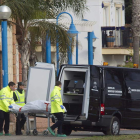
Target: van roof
{"type": "Point", "coordinates": [100, 66]}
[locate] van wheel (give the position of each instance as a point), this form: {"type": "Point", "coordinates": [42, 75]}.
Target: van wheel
{"type": "Point", "coordinates": [66, 129]}
{"type": "Point", "coordinates": [114, 127]}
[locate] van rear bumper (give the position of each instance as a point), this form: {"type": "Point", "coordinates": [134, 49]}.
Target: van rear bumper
{"type": "Point", "coordinates": [104, 121]}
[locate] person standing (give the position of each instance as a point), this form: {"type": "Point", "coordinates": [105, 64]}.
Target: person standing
{"type": "Point", "coordinates": [6, 99]}
{"type": "Point", "coordinates": [19, 98]}
{"type": "Point", "coordinates": [57, 109]}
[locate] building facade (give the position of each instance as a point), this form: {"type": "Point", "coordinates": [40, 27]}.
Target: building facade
{"type": "Point", "coordinates": [14, 64]}
{"type": "Point", "coordinates": [114, 39]}
{"type": "Point", "coordinates": [114, 43]}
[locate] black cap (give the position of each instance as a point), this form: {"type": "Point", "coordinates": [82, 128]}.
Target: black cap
{"type": "Point", "coordinates": [20, 84]}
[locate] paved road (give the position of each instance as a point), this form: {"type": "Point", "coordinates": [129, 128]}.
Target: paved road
{"type": "Point", "coordinates": [73, 135]}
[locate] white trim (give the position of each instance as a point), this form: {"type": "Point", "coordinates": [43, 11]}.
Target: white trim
{"type": "Point", "coordinates": [81, 26]}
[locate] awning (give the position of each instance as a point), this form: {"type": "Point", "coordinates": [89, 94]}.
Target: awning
{"type": "Point", "coordinates": [81, 26]}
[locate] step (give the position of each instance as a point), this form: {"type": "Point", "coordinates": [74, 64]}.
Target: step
{"type": "Point", "coordinates": [70, 117]}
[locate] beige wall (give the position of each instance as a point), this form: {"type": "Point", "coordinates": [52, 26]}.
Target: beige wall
{"type": "Point", "coordinates": [115, 56]}
{"type": "Point", "coordinates": [114, 60]}
{"type": "Point", "coordinates": [10, 53]}
{"type": "Point", "coordinates": [17, 63]}
{"type": "Point", "coordinates": [0, 40]}
{"type": "Point", "coordinates": [10, 44]}
{"type": "Point", "coordinates": [117, 51]}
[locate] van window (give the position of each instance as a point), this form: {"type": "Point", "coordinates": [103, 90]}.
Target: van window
{"type": "Point", "coordinates": [132, 80]}
{"type": "Point", "coordinates": [114, 83]}
{"type": "Point", "coordinates": [132, 76]}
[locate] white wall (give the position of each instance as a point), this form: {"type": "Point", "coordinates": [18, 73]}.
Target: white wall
{"type": "Point", "coordinates": [112, 12]}
{"type": "Point", "coordinates": [95, 13]}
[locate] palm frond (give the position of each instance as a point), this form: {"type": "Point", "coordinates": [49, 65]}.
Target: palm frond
{"type": "Point", "coordinates": [54, 31]}
{"type": "Point", "coordinates": [77, 6]}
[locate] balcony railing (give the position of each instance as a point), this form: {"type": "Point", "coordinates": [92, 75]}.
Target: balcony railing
{"type": "Point", "coordinates": [116, 37]}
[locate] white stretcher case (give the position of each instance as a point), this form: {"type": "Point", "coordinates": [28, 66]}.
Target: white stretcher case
{"type": "Point", "coordinates": [41, 81]}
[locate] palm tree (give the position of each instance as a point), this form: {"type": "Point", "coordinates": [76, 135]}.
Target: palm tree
{"type": "Point", "coordinates": [136, 29]}
{"type": "Point", "coordinates": [128, 11]}
{"type": "Point", "coordinates": [26, 15]}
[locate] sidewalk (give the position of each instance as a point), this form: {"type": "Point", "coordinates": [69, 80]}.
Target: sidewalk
{"type": "Point", "coordinates": [40, 136]}
{"type": "Point", "coordinates": [74, 135]}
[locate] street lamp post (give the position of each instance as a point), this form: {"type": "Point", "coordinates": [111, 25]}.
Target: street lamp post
{"type": "Point", "coordinates": [77, 49]}
{"type": "Point", "coordinates": [73, 32]}
{"type": "Point", "coordinates": [48, 49]}
{"type": "Point", "coordinates": [91, 38]}
{"type": "Point", "coordinates": [5, 13]}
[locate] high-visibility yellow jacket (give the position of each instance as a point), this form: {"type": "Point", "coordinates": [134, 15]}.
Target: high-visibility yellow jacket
{"type": "Point", "coordinates": [6, 98]}
{"type": "Point", "coordinates": [56, 100]}
{"type": "Point", "coordinates": [20, 98]}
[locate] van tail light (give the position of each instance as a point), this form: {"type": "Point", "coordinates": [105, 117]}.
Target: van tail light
{"type": "Point", "coordinates": [102, 111]}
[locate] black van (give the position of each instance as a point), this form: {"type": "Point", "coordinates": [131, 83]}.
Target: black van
{"type": "Point", "coordinates": [100, 98]}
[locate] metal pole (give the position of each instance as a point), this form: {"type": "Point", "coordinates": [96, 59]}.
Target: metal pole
{"type": "Point", "coordinates": [57, 49]}
{"type": "Point", "coordinates": [77, 49]}
{"type": "Point", "coordinates": [28, 125]}
{"type": "Point", "coordinates": [90, 48]}
{"type": "Point", "coordinates": [70, 52]}
{"type": "Point", "coordinates": [4, 53]}
{"type": "Point", "coordinates": [93, 55]}
{"type": "Point", "coordinates": [57, 56]}
{"type": "Point", "coordinates": [64, 13]}
{"type": "Point", "coordinates": [48, 49]}
{"type": "Point", "coordinates": [57, 44]}
{"type": "Point", "coordinates": [35, 122]}
{"type": "Point", "coordinates": [49, 120]}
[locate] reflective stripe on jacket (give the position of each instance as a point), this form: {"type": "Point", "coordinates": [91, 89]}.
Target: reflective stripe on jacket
{"type": "Point", "coordinates": [56, 100]}
{"type": "Point", "coordinates": [6, 98]}
{"type": "Point", "coordinates": [20, 98]}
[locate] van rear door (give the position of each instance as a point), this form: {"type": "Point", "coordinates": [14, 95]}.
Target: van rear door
{"type": "Point", "coordinates": [77, 104]}
{"type": "Point", "coordinates": [95, 93]}
{"type": "Point", "coordinates": [114, 92]}
{"type": "Point", "coordinates": [41, 81]}
{"type": "Point", "coordinates": [132, 112]}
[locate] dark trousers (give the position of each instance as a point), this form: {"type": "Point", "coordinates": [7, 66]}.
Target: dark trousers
{"type": "Point", "coordinates": [4, 116]}
{"type": "Point", "coordinates": [59, 123]}
{"type": "Point", "coordinates": [20, 121]}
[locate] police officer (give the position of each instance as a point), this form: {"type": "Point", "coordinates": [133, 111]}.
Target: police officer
{"type": "Point", "coordinates": [19, 98]}
{"type": "Point", "coordinates": [57, 109]}
{"type": "Point", "coordinates": [6, 99]}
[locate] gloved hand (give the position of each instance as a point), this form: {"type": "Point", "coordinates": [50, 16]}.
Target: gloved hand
{"type": "Point", "coordinates": [62, 107]}
{"type": "Point", "coordinates": [10, 106]}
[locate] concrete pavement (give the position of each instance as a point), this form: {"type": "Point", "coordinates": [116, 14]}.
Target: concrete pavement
{"type": "Point", "coordinates": [74, 135]}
